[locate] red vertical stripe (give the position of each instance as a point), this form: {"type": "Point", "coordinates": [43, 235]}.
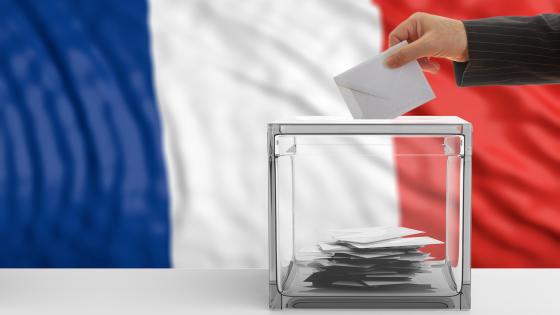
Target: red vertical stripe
{"type": "Point", "coordinates": [516, 159]}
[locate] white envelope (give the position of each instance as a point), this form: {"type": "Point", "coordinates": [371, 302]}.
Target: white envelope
{"type": "Point", "coordinates": [372, 234]}
{"type": "Point", "coordinates": [325, 247]}
{"type": "Point", "coordinates": [399, 242]}
{"type": "Point", "coordinates": [371, 90]}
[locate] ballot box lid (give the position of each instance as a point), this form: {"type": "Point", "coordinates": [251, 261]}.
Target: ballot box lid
{"type": "Point", "coordinates": [346, 125]}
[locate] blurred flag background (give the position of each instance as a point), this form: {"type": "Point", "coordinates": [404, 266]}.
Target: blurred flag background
{"type": "Point", "coordinates": [132, 133]}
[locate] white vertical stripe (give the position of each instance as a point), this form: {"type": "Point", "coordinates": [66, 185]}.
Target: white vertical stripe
{"type": "Point", "coordinates": [225, 68]}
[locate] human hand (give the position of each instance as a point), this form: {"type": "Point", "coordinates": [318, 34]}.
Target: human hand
{"type": "Point", "coordinates": [428, 36]}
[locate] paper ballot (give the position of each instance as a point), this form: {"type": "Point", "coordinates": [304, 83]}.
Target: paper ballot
{"type": "Point", "coordinates": [370, 257]}
{"type": "Point", "coordinates": [372, 234]}
{"type": "Point", "coordinates": [399, 242]}
{"type": "Point", "coordinates": [371, 90]}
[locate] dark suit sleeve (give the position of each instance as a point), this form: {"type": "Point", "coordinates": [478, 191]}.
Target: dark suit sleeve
{"type": "Point", "coordinates": [511, 51]}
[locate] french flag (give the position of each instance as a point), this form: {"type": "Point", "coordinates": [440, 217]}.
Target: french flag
{"type": "Point", "coordinates": [132, 133]}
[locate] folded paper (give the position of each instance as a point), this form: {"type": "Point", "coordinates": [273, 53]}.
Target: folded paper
{"type": "Point", "coordinates": [373, 91]}
{"type": "Point", "coordinates": [388, 258]}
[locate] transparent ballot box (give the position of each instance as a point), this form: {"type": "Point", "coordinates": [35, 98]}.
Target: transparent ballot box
{"type": "Point", "coordinates": [370, 213]}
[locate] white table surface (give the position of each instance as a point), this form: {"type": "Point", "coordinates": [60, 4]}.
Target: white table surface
{"type": "Point", "coordinates": [186, 292]}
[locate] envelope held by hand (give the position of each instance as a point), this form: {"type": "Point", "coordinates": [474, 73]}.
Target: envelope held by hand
{"type": "Point", "coordinates": [371, 90]}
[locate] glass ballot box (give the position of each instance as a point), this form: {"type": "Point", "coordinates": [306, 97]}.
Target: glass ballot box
{"type": "Point", "coordinates": [370, 213]}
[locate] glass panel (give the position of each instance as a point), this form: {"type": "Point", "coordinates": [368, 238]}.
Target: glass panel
{"type": "Point", "coordinates": [393, 197]}
{"type": "Point", "coordinates": [284, 218]}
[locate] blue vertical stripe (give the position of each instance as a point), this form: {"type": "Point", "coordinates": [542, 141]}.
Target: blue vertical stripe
{"type": "Point", "coordinates": [82, 177]}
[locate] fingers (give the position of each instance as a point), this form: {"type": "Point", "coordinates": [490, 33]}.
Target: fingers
{"type": "Point", "coordinates": [401, 33]}
{"type": "Point", "coordinates": [412, 51]}
{"type": "Point", "coordinates": [429, 65]}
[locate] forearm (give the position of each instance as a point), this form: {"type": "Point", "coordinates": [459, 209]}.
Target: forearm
{"type": "Point", "coordinates": [511, 51]}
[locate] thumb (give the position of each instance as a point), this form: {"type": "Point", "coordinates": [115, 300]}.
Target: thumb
{"type": "Point", "coordinates": [406, 54]}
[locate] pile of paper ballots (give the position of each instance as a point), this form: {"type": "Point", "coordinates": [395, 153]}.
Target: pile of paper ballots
{"type": "Point", "coordinates": [368, 257]}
